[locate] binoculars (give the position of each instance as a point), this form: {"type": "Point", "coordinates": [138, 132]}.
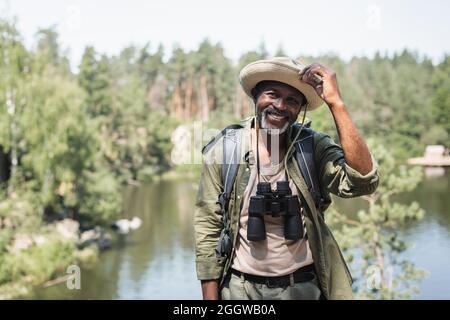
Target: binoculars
{"type": "Point", "coordinates": [277, 203]}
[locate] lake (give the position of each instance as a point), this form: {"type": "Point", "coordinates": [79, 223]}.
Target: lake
{"type": "Point", "coordinates": [157, 260]}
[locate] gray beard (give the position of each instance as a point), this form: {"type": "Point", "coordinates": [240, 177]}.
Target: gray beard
{"type": "Point", "coordinates": [268, 128]}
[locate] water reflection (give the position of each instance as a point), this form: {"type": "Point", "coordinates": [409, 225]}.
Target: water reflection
{"type": "Point", "coordinates": [154, 262]}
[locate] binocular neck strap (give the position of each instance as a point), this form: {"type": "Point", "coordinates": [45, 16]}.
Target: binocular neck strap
{"type": "Point", "coordinates": [257, 148]}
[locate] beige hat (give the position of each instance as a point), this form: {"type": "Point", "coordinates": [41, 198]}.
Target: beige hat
{"type": "Point", "coordinates": [280, 69]}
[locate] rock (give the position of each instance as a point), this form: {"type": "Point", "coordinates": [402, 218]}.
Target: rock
{"type": "Point", "coordinates": [68, 228]}
{"type": "Point", "coordinates": [24, 241]}
{"type": "Point", "coordinates": [182, 145]}
{"type": "Point", "coordinates": [39, 239]}
{"type": "Point", "coordinates": [434, 151]}
{"type": "Point", "coordinates": [96, 236]}
{"type": "Point", "coordinates": [89, 235]}
{"type": "Point", "coordinates": [21, 242]}
{"type": "Point", "coordinates": [104, 242]}
{"type": "Point", "coordinates": [124, 226]}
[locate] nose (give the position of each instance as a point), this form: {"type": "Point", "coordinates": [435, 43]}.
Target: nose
{"type": "Point", "coordinates": [280, 104]}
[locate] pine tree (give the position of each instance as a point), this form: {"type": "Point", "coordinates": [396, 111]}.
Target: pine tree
{"type": "Point", "coordinates": [94, 79]}
{"type": "Point", "coordinates": [372, 242]}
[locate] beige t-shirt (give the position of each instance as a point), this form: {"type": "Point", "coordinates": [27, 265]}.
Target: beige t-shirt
{"type": "Point", "coordinates": [274, 256]}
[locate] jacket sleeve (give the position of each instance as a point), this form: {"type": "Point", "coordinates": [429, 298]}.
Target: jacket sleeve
{"type": "Point", "coordinates": [208, 220]}
{"type": "Point", "coordinates": [336, 176]}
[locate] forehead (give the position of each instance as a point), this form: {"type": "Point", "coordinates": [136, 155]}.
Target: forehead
{"type": "Point", "coordinates": [278, 86]}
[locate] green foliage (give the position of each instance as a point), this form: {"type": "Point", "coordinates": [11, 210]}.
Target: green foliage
{"type": "Point", "coordinates": [441, 101]}
{"type": "Point", "coordinates": [322, 121]}
{"type": "Point", "coordinates": [135, 136]}
{"type": "Point", "coordinates": [99, 196]}
{"type": "Point", "coordinates": [56, 165]}
{"type": "Point", "coordinates": [93, 78]}
{"type": "Point", "coordinates": [19, 212]}
{"type": "Point", "coordinates": [371, 241]}
{"type": "Point", "coordinates": [390, 98]}
{"type": "Point", "coordinates": [41, 262]}
{"type": "Point", "coordinates": [22, 269]}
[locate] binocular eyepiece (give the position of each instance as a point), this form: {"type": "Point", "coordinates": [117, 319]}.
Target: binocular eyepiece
{"type": "Point", "coordinates": [277, 203]}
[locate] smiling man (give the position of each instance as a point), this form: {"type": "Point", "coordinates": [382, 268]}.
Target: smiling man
{"type": "Point", "coordinates": [259, 223]}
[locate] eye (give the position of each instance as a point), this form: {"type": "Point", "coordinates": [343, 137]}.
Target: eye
{"type": "Point", "coordinates": [293, 101]}
{"type": "Point", "coordinates": [271, 94]}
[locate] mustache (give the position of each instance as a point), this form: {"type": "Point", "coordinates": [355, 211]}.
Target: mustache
{"type": "Point", "coordinates": [274, 111]}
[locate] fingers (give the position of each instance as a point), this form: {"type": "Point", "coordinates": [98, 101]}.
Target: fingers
{"type": "Point", "coordinates": [312, 74]}
{"type": "Point", "coordinates": [315, 75]}
{"type": "Point", "coordinates": [315, 67]}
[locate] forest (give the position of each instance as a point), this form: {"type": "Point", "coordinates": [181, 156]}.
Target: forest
{"type": "Point", "coordinates": [71, 140]}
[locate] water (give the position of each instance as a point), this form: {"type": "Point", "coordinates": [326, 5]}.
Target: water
{"type": "Point", "coordinates": [154, 262]}
{"type": "Point", "coordinates": [157, 260]}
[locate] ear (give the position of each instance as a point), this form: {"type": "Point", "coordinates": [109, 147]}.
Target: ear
{"type": "Point", "coordinates": [254, 92]}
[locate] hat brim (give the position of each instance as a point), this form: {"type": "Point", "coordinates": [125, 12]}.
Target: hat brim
{"type": "Point", "coordinates": [263, 70]}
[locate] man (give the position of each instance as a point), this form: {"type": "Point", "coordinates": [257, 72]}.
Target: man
{"type": "Point", "coordinates": [275, 266]}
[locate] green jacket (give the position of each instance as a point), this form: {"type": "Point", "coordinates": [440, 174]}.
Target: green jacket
{"type": "Point", "coordinates": [335, 176]}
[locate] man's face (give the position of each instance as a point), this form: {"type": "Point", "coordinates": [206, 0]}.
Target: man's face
{"type": "Point", "coordinates": [277, 105]}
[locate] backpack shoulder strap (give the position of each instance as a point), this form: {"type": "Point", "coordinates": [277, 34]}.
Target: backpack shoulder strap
{"type": "Point", "coordinates": [304, 155]}
{"type": "Point", "coordinates": [231, 158]}
{"type": "Point", "coordinates": [222, 133]}
{"type": "Point", "coordinates": [232, 137]}
{"type": "Point", "coordinates": [231, 153]}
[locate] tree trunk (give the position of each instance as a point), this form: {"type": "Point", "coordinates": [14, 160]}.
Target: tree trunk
{"type": "Point", "coordinates": [11, 108]}
{"type": "Point", "coordinates": [188, 99]}
{"type": "Point", "coordinates": [177, 102]}
{"type": "Point", "coordinates": [4, 165]}
{"type": "Point", "coordinates": [204, 98]}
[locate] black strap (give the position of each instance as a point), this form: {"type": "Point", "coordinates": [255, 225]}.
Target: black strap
{"type": "Point", "coordinates": [303, 274]}
{"type": "Point", "coordinates": [231, 158]}
{"type": "Point", "coordinates": [222, 133]}
{"type": "Point", "coordinates": [304, 155]}
{"type": "Point", "coordinates": [232, 137]}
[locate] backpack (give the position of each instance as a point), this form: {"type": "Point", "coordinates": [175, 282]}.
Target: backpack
{"type": "Point", "coordinates": [304, 156]}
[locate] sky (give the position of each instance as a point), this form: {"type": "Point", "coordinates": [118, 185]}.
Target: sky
{"type": "Point", "coordinates": [347, 28]}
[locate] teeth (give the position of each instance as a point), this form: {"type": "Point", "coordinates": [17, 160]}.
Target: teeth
{"type": "Point", "coordinates": [277, 117]}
